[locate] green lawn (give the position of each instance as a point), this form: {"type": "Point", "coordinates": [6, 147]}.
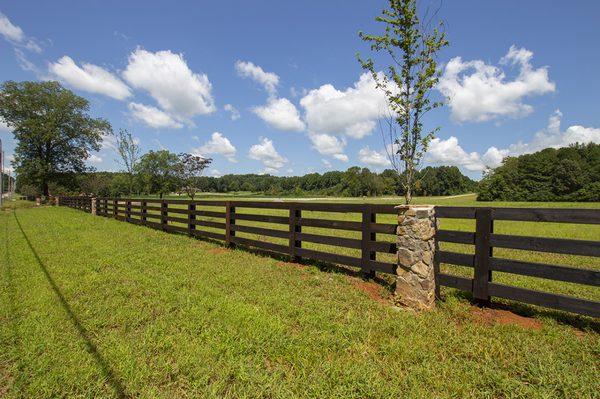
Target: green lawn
{"type": "Point", "coordinates": [93, 307]}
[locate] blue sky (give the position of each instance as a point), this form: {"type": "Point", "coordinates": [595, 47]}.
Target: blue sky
{"type": "Point", "coordinates": [274, 86]}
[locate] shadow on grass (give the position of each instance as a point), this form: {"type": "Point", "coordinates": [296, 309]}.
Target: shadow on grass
{"type": "Point", "coordinates": [108, 373]}
{"type": "Point", "coordinates": [582, 323]}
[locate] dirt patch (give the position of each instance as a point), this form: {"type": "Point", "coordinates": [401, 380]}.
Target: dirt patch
{"type": "Point", "coordinates": [373, 290]}
{"type": "Point", "coordinates": [490, 317]}
{"type": "Point", "coordinates": [217, 251]}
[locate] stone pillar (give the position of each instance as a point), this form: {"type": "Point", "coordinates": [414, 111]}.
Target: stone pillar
{"type": "Point", "coordinates": [38, 201]}
{"type": "Point", "coordinates": [93, 210]}
{"type": "Point", "coordinates": [415, 283]}
{"type": "Point", "coordinates": [57, 200]}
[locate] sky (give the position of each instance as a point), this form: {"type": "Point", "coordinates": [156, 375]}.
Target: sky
{"type": "Point", "coordinates": [275, 86]}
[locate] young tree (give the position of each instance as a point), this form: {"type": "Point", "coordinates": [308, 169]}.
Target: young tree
{"type": "Point", "coordinates": [157, 171]}
{"type": "Point", "coordinates": [412, 46]}
{"type": "Point", "coordinates": [189, 170]}
{"type": "Point", "coordinates": [129, 152]}
{"type": "Point", "coordinates": [53, 130]}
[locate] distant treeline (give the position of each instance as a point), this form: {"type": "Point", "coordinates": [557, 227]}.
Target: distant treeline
{"type": "Point", "coordinates": [354, 182]}
{"type": "Point", "coordinates": [564, 174]}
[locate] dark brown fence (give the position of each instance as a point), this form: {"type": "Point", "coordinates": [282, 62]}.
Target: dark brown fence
{"type": "Point", "coordinates": [223, 220]}
{"type": "Point", "coordinates": [485, 263]}
{"type": "Point", "coordinates": [183, 216]}
{"type": "Point", "coordinates": [81, 203]}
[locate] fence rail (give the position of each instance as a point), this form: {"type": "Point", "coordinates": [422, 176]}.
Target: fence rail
{"type": "Point", "coordinates": [485, 263]}
{"type": "Point", "coordinates": [81, 203]}
{"type": "Point", "coordinates": [228, 220]}
{"type": "Point", "coordinates": [169, 215]}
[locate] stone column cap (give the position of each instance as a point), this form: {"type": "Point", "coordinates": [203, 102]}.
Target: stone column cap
{"type": "Point", "coordinates": [416, 206]}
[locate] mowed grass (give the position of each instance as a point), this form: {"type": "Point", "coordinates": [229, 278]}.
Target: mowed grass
{"type": "Point", "coordinates": [93, 307]}
{"type": "Point", "coordinates": [526, 229]}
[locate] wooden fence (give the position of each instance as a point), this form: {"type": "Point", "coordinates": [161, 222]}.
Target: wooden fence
{"type": "Point", "coordinates": [485, 263]}
{"type": "Point", "coordinates": [190, 217]}
{"type": "Point", "coordinates": [81, 203]}
{"type": "Point", "coordinates": [160, 214]}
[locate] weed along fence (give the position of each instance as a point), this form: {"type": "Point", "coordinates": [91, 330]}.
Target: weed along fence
{"type": "Point", "coordinates": [401, 241]}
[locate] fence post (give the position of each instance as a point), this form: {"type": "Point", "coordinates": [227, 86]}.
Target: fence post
{"type": "Point", "coordinates": [94, 204]}
{"type": "Point", "coordinates": [105, 204]}
{"type": "Point", "coordinates": [115, 210]}
{"type": "Point", "coordinates": [229, 222]}
{"type": "Point", "coordinates": [367, 255]}
{"type": "Point", "coordinates": [191, 217]}
{"type": "Point", "coordinates": [295, 229]}
{"type": "Point", "coordinates": [484, 226]}
{"type": "Point", "coordinates": [144, 211]}
{"type": "Point", "coordinates": [415, 282]}
{"type": "Point", "coordinates": [164, 212]}
{"type": "Point", "coordinates": [127, 210]}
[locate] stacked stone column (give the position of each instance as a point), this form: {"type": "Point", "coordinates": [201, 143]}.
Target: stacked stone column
{"type": "Point", "coordinates": [93, 206]}
{"type": "Point", "coordinates": [415, 284]}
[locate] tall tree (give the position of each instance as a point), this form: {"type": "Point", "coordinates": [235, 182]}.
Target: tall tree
{"type": "Point", "coordinates": [411, 44]}
{"type": "Point", "coordinates": [190, 168]}
{"type": "Point", "coordinates": [157, 171]}
{"type": "Point", "coordinates": [129, 153]}
{"type": "Point", "coordinates": [53, 130]}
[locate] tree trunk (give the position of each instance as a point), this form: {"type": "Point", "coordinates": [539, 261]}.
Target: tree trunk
{"type": "Point", "coordinates": [160, 195]}
{"type": "Point", "coordinates": [45, 191]}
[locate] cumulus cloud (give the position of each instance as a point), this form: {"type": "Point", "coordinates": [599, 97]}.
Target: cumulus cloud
{"type": "Point", "coordinates": [89, 77]}
{"type": "Point", "coordinates": [218, 144]}
{"type": "Point", "coordinates": [153, 117]}
{"type": "Point", "coordinates": [268, 80]}
{"type": "Point", "coordinates": [449, 152]}
{"type": "Point", "coordinates": [330, 145]}
{"type": "Point", "coordinates": [95, 158]}
{"type": "Point", "coordinates": [265, 152]}
{"type": "Point", "coordinates": [280, 114]}
{"type": "Point", "coordinates": [478, 91]}
{"type": "Point", "coordinates": [233, 111]}
{"type": "Point", "coordinates": [4, 127]}
{"type": "Point", "coordinates": [352, 112]}
{"type": "Point", "coordinates": [166, 76]}
{"type": "Point", "coordinates": [373, 158]}
{"type": "Point", "coordinates": [15, 35]}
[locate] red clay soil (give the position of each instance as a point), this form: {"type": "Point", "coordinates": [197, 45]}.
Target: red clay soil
{"type": "Point", "coordinates": [490, 316]}
{"type": "Point", "coordinates": [217, 251]}
{"type": "Point", "coordinates": [373, 290]}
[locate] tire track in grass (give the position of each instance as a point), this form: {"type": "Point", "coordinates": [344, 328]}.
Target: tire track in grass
{"type": "Point", "coordinates": [107, 371]}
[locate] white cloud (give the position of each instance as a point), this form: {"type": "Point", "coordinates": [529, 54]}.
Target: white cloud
{"type": "Point", "coordinates": [218, 144]}
{"type": "Point", "coordinates": [327, 163]}
{"type": "Point", "coordinates": [109, 142]}
{"type": "Point", "coordinates": [373, 158]}
{"type": "Point", "coordinates": [268, 80]}
{"type": "Point", "coordinates": [327, 144]}
{"type": "Point", "coordinates": [234, 113]}
{"type": "Point", "coordinates": [449, 152]}
{"type": "Point", "coordinates": [215, 173]}
{"type": "Point", "coordinates": [15, 35]}
{"type": "Point", "coordinates": [4, 127]}
{"type": "Point", "coordinates": [9, 31]}
{"type": "Point", "coordinates": [280, 114]}
{"type": "Point", "coordinates": [153, 116]}
{"type": "Point", "coordinates": [90, 78]}
{"type": "Point", "coordinates": [265, 153]}
{"type": "Point", "coordinates": [352, 112]}
{"type": "Point", "coordinates": [95, 158]}
{"type": "Point", "coordinates": [167, 78]}
{"type": "Point", "coordinates": [480, 92]}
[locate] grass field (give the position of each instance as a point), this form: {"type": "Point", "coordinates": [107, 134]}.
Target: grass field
{"type": "Point", "coordinates": [93, 307]}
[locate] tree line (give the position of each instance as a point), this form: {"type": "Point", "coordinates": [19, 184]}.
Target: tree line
{"type": "Point", "coordinates": [564, 174]}
{"type": "Point", "coordinates": [154, 176]}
